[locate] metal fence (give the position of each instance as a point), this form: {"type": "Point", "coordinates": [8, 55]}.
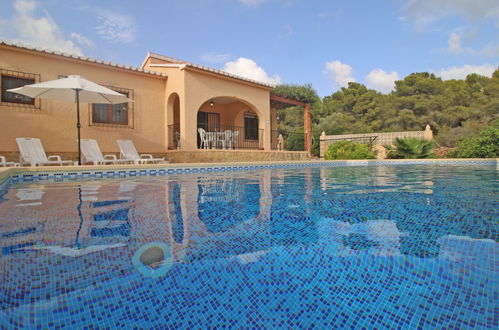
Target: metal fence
{"type": "Point", "coordinates": [174, 136]}
{"type": "Point", "coordinates": [220, 137]}
{"type": "Point", "coordinates": [374, 138]}
{"type": "Point", "coordinates": [370, 140]}
{"type": "Point", "coordinates": [229, 137]}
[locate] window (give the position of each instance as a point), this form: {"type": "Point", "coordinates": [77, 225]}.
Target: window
{"type": "Point", "coordinates": [250, 126]}
{"type": "Point", "coordinates": [115, 114]}
{"type": "Point", "coordinates": [9, 82]}
{"type": "Point", "coordinates": [110, 113]}
{"type": "Point", "coordinates": [209, 121]}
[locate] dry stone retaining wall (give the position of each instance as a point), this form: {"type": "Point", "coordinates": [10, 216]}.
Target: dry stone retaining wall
{"type": "Point", "coordinates": [377, 139]}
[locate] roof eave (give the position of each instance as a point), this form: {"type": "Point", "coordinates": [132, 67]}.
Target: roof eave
{"type": "Point", "coordinates": [207, 69]}
{"type": "Point", "coordinates": [82, 58]}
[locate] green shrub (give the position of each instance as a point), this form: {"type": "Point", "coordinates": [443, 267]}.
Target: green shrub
{"type": "Point", "coordinates": [348, 150]}
{"type": "Point", "coordinates": [294, 141]}
{"type": "Point", "coordinates": [411, 148]}
{"type": "Point", "coordinates": [485, 145]}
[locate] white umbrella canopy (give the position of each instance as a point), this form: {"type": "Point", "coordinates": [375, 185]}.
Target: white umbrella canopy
{"type": "Point", "coordinates": [64, 90]}
{"type": "Point", "coordinates": [73, 89]}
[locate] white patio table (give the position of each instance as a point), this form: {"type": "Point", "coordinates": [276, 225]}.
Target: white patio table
{"type": "Point", "coordinates": [219, 140]}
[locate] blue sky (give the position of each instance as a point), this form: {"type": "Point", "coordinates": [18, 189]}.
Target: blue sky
{"type": "Point", "coordinates": [322, 42]}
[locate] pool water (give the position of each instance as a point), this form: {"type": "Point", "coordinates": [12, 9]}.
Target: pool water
{"type": "Point", "coordinates": [373, 246]}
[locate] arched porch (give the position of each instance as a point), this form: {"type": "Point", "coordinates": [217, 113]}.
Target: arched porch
{"type": "Point", "coordinates": [229, 123]}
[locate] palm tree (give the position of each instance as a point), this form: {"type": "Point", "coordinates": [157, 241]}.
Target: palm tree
{"type": "Point", "coordinates": [411, 148]}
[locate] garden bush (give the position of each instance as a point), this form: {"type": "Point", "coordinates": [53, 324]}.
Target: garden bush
{"type": "Point", "coordinates": [409, 148]}
{"type": "Point", "coordinates": [485, 145]}
{"type": "Point", "coordinates": [348, 150]}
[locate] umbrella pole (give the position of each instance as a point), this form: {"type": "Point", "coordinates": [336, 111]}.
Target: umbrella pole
{"type": "Point", "coordinates": [78, 123]}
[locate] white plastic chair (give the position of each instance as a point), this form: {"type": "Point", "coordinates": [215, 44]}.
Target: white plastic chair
{"type": "Point", "coordinates": [226, 139]}
{"type": "Point", "coordinates": [202, 137]}
{"type": "Point", "coordinates": [129, 152]}
{"type": "Point", "coordinates": [91, 154]}
{"type": "Point", "coordinates": [211, 140]}
{"type": "Point", "coordinates": [235, 136]}
{"type": "Point", "coordinates": [4, 162]}
{"type": "Point", "coordinates": [32, 152]}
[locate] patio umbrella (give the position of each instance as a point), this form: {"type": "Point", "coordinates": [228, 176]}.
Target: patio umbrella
{"type": "Point", "coordinates": [73, 89]}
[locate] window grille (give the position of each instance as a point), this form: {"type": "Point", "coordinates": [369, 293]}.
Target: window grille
{"type": "Point", "coordinates": [13, 79]}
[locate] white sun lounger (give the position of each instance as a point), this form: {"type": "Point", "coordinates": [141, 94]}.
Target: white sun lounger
{"type": "Point", "coordinates": [129, 152]}
{"type": "Point", "coordinates": [32, 153]}
{"type": "Point", "coordinates": [91, 154]}
{"type": "Point", "coordinates": [4, 162]}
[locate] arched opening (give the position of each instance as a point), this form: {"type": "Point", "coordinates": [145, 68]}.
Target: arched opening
{"type": "Point", "coordinates": [228, 123]}
{"type": "Point", "coordinates": [174, 120]}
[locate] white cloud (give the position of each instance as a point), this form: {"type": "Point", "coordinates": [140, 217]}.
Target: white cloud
{"type": "Point", "coordinates": [340, 73]}
{"type": "Point", "coordinates": [490, 50]}
{"type": "Point", "coordinates": [382, 81]}
{"type": "Point", "coordinates": [82, 40]}
{"type": "Point", "coordinates": [458, 39]}
{"type": "Point", "coordinates": [248, 68]}
{"type": "Point", "coordinates": [25, 6]}
{"type": "Point", "coordinates": [454, 43]}
{"type": "Point", "coordinates": [424, 12]}
{"type": "Point", "coordinates": [252, 3]}
{"type": "Point", "coordinates": [461, 72]}
{"type": "Point", "coordinates": [116, 27]}
{"type": "Point", "coordinates": [213, 57]}
{"type": "Point", "coordinates": [39, 31]}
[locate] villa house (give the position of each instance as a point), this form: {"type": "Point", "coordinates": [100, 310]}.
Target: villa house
{"type": "Point", "coordinates": [181, 110]}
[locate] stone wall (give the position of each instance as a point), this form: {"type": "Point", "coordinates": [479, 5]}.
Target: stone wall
{"type": "Point", "coordinates": [377, 139]}
{"type": "Point", "coordinates": [199, 156]}
{"type": "Point", "coordinates": [222, 156]}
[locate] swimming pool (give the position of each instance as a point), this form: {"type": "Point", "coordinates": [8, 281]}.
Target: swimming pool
{"type": "Point", "coordinates": [326, 247]}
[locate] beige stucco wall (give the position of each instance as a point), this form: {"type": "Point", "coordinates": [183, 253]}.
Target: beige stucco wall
{"type": "Point", "coordinates": [196, 87]}
{"type": "Point", "coordinates": [55, 122]}
{"type": "Point", "coordinates": [159, 102]}
{"type": "Point", "coordinates": [201, 87]}
{"type": "Point", "coordinates": [230, 114]}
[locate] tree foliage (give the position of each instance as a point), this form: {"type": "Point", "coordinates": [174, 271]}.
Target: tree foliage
{"type": "Point", "coordinates": [348, 150]}
{"type": "Point", "coordinates": [304, 93]}
{"type": "Point", "coordinates": [485, 145]}
{"type": "Point", "coordinates": [456, 110]}
{"type": "Point", "coordinates": [290, 123]}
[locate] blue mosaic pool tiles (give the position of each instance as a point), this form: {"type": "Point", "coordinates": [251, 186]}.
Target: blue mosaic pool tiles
{"type": "Point", "coordinates": [164, 171]}
{"type": "Point", "coordinates": [352, 248]}
{"type": "Point", "coordinates": [274, 292]}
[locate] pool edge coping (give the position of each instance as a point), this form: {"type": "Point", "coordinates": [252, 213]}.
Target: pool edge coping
{"type": "Point", "coordinates": [34, 174]}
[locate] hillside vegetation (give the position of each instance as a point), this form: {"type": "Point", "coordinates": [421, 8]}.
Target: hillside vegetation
{"type": "Point", "coordinates": [455, 109]}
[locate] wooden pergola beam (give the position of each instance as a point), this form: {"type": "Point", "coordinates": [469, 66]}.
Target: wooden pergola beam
{"type": "Point", "coordinates": [286, 101]}
{"type": "Point", "coordinates": [279, 101]}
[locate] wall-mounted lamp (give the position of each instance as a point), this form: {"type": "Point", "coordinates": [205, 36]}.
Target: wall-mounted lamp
{"type": "Point", "coordinates": [212, 103]}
